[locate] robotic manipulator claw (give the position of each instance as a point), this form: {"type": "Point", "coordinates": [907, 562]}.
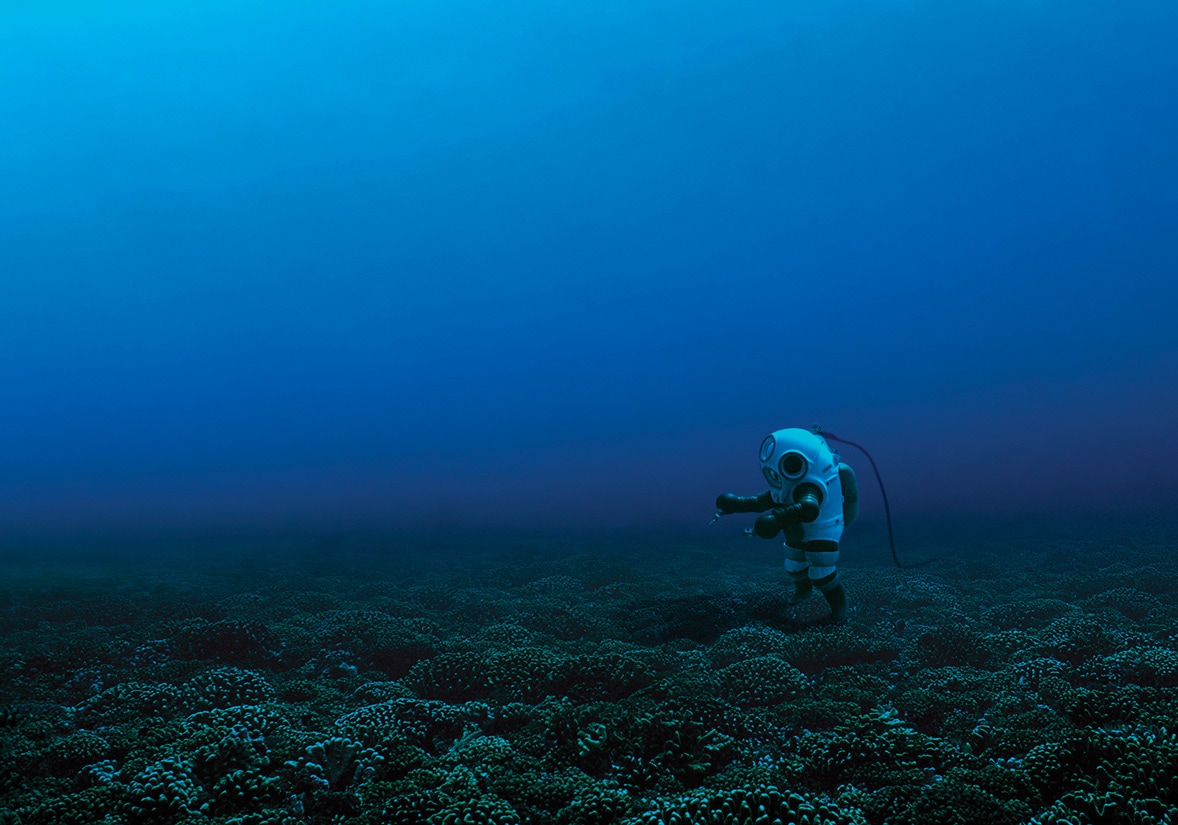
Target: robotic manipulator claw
{"type": "Point", "coordinates": [748, 532]}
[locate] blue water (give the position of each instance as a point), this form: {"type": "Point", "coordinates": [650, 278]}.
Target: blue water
{"type": "Point", "coordinates": [565, 264]}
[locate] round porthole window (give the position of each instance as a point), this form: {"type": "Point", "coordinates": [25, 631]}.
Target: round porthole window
{"type": "Point", "coordinates": [792, 465]}
{"type": "Point", "coordinates": [767, 447]}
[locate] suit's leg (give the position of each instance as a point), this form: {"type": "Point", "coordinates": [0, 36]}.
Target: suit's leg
{"type": "Point", "coordinates": [797, 568]}
{"type": "Point", "coordinates": [823, 558]}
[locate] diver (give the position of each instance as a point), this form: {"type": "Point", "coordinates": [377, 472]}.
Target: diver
{"type": "Point", "coordinates": [812, 498]}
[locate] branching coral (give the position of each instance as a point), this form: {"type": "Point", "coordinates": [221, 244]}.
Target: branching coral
{"type": "Point", "coordinates": [761, 681]}
{"type": "Point", "coordinates": [163, 792]}
{"type": "Point", "coordinates": [743, 806]}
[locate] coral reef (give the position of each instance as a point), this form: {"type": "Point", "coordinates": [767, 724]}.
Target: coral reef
{"type": "Point", "coordinates": [521, 687]}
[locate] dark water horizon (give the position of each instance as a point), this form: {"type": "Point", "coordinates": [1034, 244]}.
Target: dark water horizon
{"type": "Point", "coordinates": [866, 542]}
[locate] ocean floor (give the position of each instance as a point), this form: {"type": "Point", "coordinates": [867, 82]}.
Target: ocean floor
{"type": "Point", "coordinates": [1028, 675]}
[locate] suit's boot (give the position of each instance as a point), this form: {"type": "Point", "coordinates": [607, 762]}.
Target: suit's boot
{"type": "Point", "coordinates": [836, 597]}
{"type": "Point", "coordinates": [803, 587]}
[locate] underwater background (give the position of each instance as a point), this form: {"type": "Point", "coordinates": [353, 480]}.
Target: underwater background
{"type": "Point", "coordinates": [369, 372]}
